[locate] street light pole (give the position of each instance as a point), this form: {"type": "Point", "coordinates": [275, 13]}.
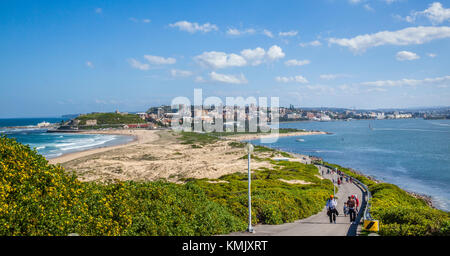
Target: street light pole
{"type": "Point", "coordinates": [249, 149]}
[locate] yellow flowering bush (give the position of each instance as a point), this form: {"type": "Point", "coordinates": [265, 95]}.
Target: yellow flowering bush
{"type": "Point", "coordinates": [37, 198]}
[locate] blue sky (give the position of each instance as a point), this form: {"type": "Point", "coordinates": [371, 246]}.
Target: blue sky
{"type": "Point", "coordinates": [61, 57]}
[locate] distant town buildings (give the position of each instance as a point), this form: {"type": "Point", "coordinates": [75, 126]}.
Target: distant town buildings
{"type": "Point", "coordinates": [234, 116]}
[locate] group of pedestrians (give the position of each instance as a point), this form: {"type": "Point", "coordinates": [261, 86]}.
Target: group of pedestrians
{"type": "Point", "coordinates": [350, 208]}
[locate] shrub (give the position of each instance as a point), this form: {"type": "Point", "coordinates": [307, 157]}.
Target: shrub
{"type": "Point", "coordinates": [37, 198]}
{"type": "Point", "coordinates": [401, 214]}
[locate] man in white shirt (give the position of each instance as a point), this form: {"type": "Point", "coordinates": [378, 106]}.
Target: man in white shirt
{"type": "Point", "coordinates": [331, 209]}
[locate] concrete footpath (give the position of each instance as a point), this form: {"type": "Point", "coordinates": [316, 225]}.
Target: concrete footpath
{"type": "Point", "coordinates": [319, 224]}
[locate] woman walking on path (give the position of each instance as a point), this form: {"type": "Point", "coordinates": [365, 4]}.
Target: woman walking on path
{"type": "Point", "coordinates": [351, 204]}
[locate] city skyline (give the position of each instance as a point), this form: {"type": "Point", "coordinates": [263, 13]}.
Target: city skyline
{"type": "Point", "coordinates": [71, 57]}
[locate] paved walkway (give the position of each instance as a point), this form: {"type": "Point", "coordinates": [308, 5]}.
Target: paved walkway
{"type": "Point", "coordinates": [319, 224]}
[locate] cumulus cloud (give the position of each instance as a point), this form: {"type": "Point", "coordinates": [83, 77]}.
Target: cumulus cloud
{"type": "Point", "coordinates": [193, 27]}
{"type": "Point", "coordinates": [297, 62]}
{"type": "Point", "coordinates": [275, 52]}
{"type": "Point", "coordinates": [407, 36]}
{"type": "Point", "coordinates": [288, 33]}
{"type": "Point", "coordinates": [180, 73]}
{"type": "Point", "coordinates": [160, 60]}
{"type": "Point", "coordinates": [405, 55]}
{"type": "Point", "coordinates": [432, 55]}
{"type": "Point", "coordinates": [297, 79]}
{"type": "Point", "coordinates": [229, 79]}
{"type": "Point", "coordinates": [138, 65]}
{"type": "Point", "coordinates": [436, 13]}
{"type": "Point", "coordinates": [253, 57]}
{"type": "Point", "coordinates": [220, 60]}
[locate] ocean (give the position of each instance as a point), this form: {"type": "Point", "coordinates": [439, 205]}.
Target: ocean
{"type": "Point", "coordinates": [411, 153]}
{"type": "Point", "coordinates": [52, 145]}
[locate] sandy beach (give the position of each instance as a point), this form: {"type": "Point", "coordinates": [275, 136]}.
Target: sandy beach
{"type": "Point", "coordinates": [159, 154]}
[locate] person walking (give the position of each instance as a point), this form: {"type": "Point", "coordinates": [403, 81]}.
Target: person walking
{"type": "Point", "coordinates": [331, 209]}
{"type": "Point", "coordinates": [357, 202]}
{"type": "Point", "coordinates": [351, 204]}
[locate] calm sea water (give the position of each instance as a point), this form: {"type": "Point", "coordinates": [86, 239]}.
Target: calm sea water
{"type": "Point", "coordinates": [412, 153]}
{"type": "Point", "coordinates": [52, 145]}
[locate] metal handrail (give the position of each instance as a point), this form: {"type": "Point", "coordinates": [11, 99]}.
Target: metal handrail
{"type": "Point", "coordinates": [367, 215]}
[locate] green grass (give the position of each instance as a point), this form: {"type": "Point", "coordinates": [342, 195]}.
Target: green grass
{"type": "Point", "coordinates": [198, 139]}
{"type": "Point", "coordinates": [273, 201]}
{"type": "Point", "coordinates": [110, 118]}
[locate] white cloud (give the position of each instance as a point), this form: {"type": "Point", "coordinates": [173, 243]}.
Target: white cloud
{"type": "Point", "coordinates": [237, 32]}
{"type": "Point", "coordinates": [253, 57]}
{"type": "Point", "coordinates": [368, 7]}
{"type": "Point", "coordinates": [436, 13]}
{"type": "Point", "coordinates": [332, 76]}
{"type": "Point", "coordinates": [297, 79]}
{"type": "Point", "coordinates": [220, 60]}
{"type": "Point", "coordinates": [230, 79]}
{"type": "Point", "coordinates": [160, 60]}
{"type": "Point", "coordinates": [407, 36]}
{"type": "Point", "coordinates": [390, 1]}
{"type": "Point", "coordinates": [409, 82]}
{"type": "Point", "coordinates": [312, 43]}
{"type": "Point", "coordinates": [200, 79]}
{"type": "Point", "coordinates": [193, 27]}
{"type": "Point", "coordinates": [138, 65]}
{"type": "Point", "coordinates": [297, 62]}
{"type": "Point", "coordinates": [405, 55]}
{"type": "Point", "coordinates": [180, 73]}
{"type": "Point", "coordinates": [432, 55]}
{"type": "Point", "coordinates": [354, 1]}
{"type": "Point", "coordinates": [275, 52]}
{"type": "Point", "coordinates": [133, 19]}
{"type": "Point", "coordinates": [268, 33]}
{"type": "Point", "coordinates": [289, 33]}
{"type": "Point", "coordinates": [89, 64]}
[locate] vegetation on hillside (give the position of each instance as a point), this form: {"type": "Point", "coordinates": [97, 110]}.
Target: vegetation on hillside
{"type": "Point", "coordinates": [37, 198]}
{"type": "Point", "coordinates": [404, 215]}
{"type": "Point", "coordinates": [273, 201]}
{"type": "Point", "coordinates": [401, 214]}
{"type": "Point", "coordinates": [111, 118]}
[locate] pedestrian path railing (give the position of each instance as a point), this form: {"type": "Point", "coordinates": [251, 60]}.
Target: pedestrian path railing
{"type": "Point", "coordinates": [369, 223]}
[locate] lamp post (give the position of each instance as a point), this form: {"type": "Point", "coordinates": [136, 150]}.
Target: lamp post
{"type": "Point", "coordinates": [249, 150]}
